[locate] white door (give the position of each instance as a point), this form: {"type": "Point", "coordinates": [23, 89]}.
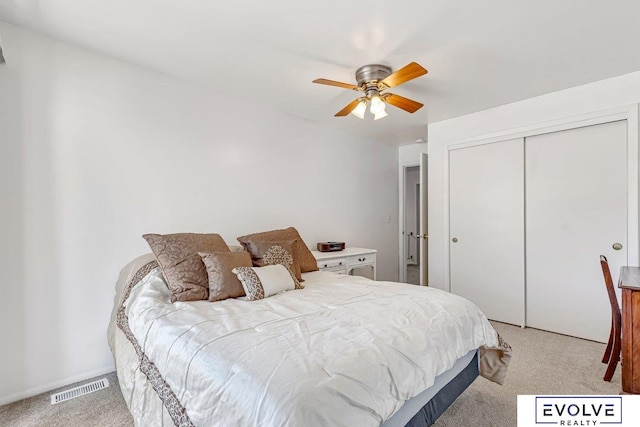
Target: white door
{"type": "Point", "coordinates": [486, 228]}
{"type": "Point", "coordinates": [576, 183]}
{"type": "Point", "coordinates": [424, 225]}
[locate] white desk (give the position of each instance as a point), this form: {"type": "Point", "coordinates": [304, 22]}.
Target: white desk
{"type": "Point", "coordinates": [348, 259]}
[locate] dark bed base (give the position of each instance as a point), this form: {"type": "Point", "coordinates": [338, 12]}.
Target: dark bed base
{"type": "Point", "coordinates": [430, 412]}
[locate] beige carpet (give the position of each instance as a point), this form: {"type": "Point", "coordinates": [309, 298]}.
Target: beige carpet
{"type": "Point", "coordinates": [542, 363]}
{"type": "Point", "coordinates": [101, 408]}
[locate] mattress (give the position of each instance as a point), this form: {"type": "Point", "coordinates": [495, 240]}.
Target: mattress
{"type": "Point", "coordinates": [343, 351]}
{"type": "Point", "coordinates": [412, 406]}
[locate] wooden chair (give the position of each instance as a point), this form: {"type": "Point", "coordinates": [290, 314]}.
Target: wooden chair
{"type": "Point", "coordinates": [612, 352]}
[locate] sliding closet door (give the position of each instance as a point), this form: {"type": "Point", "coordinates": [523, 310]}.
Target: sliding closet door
{"type": "Point", "coordinates": [576, 182]}
{"type": "Point", "coordinates": [486, 225]}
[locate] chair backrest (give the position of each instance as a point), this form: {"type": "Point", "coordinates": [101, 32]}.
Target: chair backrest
{"type": "Point", "coordinates": [611, 291]}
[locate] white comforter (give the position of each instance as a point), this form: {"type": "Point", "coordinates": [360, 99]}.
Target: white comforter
{"type": "Point", "coordinates": [344, 351]}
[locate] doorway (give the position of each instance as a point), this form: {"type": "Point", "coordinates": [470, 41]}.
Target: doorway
{"type": "Point", "coordinates": [411, 224]}
{"type": "Point", "coordinates": [413, 260]}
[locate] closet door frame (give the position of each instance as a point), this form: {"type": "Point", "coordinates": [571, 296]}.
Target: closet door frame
{"type": "Point", "coordinates": [627, 112]}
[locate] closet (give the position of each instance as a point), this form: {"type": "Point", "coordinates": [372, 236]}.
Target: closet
{"type": "Point", "coordinates": [487, 227]}
{"type": "Point", "coordinates": [528, 219]}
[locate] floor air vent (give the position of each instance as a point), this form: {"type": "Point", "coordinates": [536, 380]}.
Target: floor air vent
{"type": "Point", "coordinates": [79, 391]}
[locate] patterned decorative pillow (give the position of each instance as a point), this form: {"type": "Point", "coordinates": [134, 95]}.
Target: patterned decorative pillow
{"type": "Point", "coordinates": [270, 252]}
{"type": "Point", "coordinates": [177, 255]}
{"type": "Point", "coordinates": [263, 282]}
{"type": "Point", "coordinates": [304, 257]}
{"type": "Point", "coordinates": [223, 283]}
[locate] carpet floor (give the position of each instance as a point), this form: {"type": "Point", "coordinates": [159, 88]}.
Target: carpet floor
{"type": "Point", "coordinates": [542, 363]}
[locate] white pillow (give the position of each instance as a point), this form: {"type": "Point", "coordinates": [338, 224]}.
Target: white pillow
{"type": "Point", "coordinates": [263, 282]}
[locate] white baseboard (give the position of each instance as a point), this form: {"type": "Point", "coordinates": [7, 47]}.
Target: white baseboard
{"type": "Point", "coordinates": [54, 385]}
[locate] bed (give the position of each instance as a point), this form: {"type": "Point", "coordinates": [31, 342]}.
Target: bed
{"type": "Point", "coordinates": [344, 351]}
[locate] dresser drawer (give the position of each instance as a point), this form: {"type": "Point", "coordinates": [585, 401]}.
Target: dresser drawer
{"type": "Point", "coordinates": [347, 260]}
{"type": "Point", "coordinates": [338, 265]}
{"type": "Point", "coordinates": [358, 260]}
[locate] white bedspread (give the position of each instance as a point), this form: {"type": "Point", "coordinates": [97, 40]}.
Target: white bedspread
{"type": "Point", "coordinates": [344, 351]}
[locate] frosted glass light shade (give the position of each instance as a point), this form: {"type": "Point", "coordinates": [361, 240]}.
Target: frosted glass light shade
{"type": "Point", "coordinates": [377, 105]}
{"type": "Point", "coordinates": [359, 110]}
{"type": "Point", "coordinates": [380, 115]}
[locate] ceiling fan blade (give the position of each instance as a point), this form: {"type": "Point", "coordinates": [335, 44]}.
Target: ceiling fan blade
{"type": "Point", "coordinates": [2, 61]}
{"type": "Point", "coordinates": [335, 83]}
{"type": "Point", "coordinates": [404, 74]}
{"type": "Point", "coordinates": [349, 108]}
{"type": "Point", "coordinates": [403, 103]}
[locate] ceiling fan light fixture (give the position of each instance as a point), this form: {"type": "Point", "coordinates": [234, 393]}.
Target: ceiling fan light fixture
{"type": "Point", "coordinates": [377, 105]}
{"type": "Point", "coordinates": [373, 79]}
{"type": "Point", "coordinates": [380, 115]}
{"type": "Point", "coordinates": [360, 109]}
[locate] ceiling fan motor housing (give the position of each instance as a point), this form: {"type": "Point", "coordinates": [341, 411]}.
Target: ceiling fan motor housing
{"type": "Point", "coordinates": [370, 75]}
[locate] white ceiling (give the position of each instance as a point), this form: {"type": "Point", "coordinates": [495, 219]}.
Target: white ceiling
{"type": "Point", "coordinates": [479, 54]}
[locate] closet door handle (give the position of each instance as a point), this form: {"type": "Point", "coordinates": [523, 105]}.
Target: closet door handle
{"type": "Point", "coordinates": [617, 246]}
{"type": "Point", "coordinates": [454, 240]}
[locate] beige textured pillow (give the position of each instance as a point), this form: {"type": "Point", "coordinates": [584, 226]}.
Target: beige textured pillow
{"type": "Point", "coordinates": [305, 258]}
{"type": "Point", "coordinates": [263, 282]}
{"type": "Point", "coordinates": [181, 265]}
{"type": "Point", "coordinates": [270, 253]}
{"type": "Point", "coordinates": [223, 283]}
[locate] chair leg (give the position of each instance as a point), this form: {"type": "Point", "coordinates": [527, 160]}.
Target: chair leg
{"type": "Point", "coordinates": [607, 351]}
{"type": "Point", "coordinates": [614, 356]}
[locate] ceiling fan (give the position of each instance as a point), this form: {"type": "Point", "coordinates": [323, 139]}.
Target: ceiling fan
{"type": "Point", "coordinates": [372, 81]}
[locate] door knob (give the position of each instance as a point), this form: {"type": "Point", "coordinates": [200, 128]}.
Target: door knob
{"type": "Point", "coordinates": [617, 246]}
{"type": "Point", "coordinates": [454, 240]}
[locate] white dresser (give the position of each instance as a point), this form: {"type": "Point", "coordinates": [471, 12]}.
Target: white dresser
{"type": "Point", "coordinates": [346, 260]}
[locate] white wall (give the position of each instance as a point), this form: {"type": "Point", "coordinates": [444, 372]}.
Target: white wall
{"type": "Point", "coordinates": [593, 97]}
{"type": "Point", "coordinates": [410, 154]}
{"type": "Point", "coordinates": [96, 152]}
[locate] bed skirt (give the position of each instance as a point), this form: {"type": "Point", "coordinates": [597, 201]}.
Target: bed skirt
{"type": "Point", "coordinates": [445, 397]}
